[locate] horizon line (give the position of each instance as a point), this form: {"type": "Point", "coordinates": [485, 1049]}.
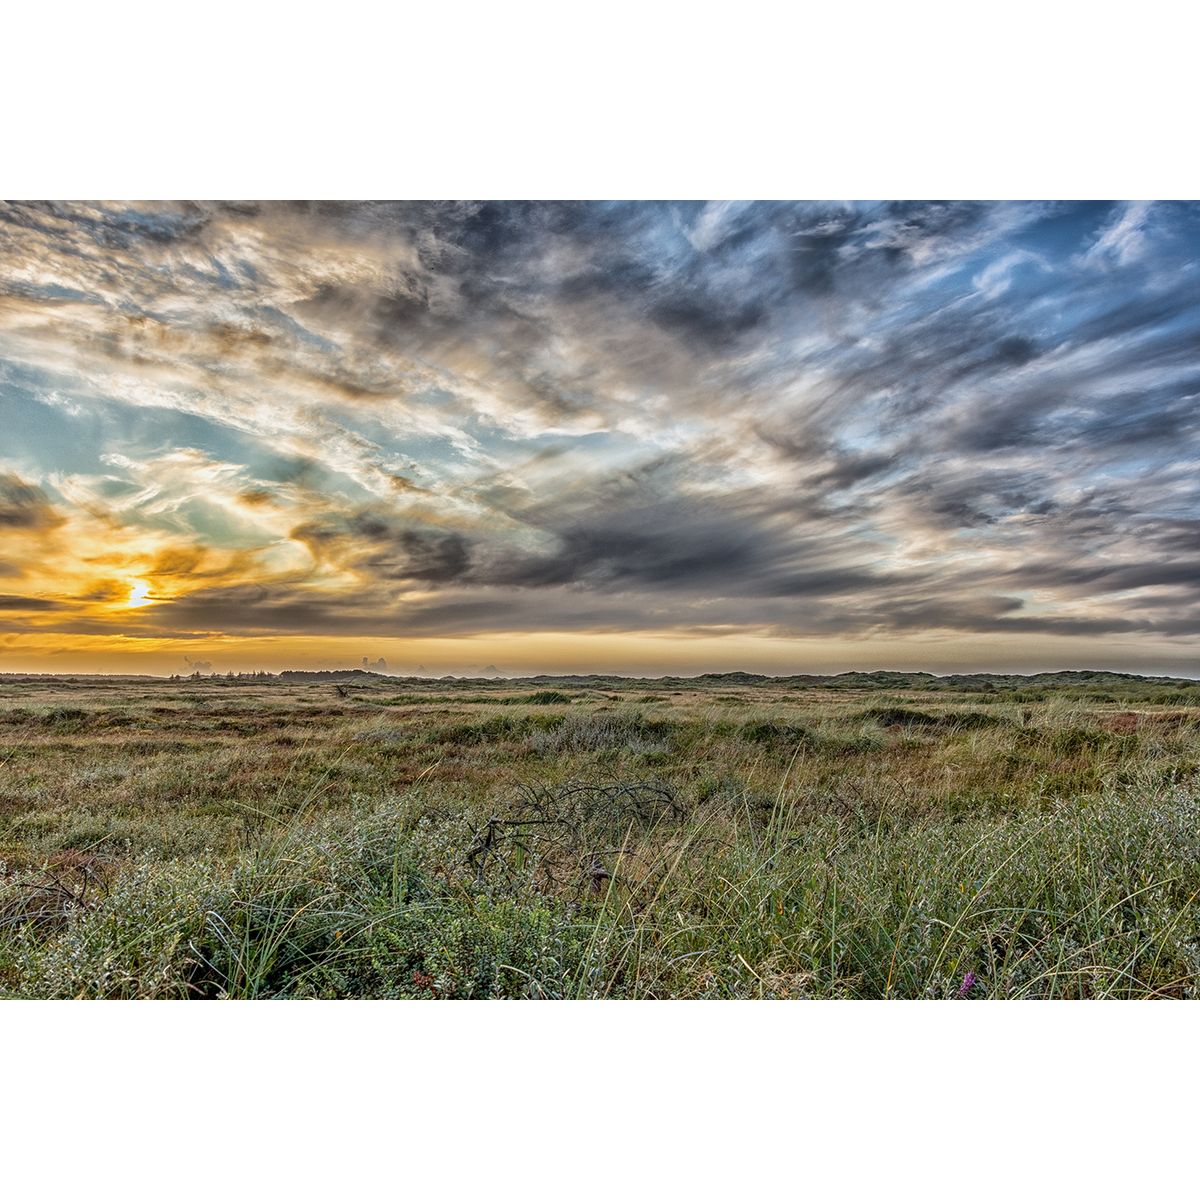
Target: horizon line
{"type": "Point", "coordinates": [575, 675]}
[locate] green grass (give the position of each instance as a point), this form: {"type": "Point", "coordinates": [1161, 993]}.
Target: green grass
{"type": "Point", "coordinates": [270, 842]}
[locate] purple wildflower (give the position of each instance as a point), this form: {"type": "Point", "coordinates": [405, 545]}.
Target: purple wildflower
{"type": "Point", "coordinates": [967, 984]}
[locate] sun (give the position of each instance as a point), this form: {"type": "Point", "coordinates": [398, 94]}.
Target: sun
{"type": "Point", "coordinates": [139, 594]}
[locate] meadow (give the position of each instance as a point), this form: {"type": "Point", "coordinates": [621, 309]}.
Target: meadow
{"type": "Point", "coordinates": [353, 835]}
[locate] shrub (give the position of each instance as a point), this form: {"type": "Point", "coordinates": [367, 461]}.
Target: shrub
{"type": "Point", "coordinates": [777, 733]}
{"type": "Point", "coordinates": [621, 729]}
{"type": "Point", "coordinates": [907, 717]}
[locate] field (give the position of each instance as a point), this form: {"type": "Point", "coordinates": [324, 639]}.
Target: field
{"type": "Point", "coordinates": [353, 835]}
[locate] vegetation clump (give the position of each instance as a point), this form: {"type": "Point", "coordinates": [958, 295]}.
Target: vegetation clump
{"type": "Point", "coordinates": [269, 843]}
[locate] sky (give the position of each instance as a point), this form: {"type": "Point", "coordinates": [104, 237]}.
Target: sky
{"type": "Point", "coordinates": [632, 437]}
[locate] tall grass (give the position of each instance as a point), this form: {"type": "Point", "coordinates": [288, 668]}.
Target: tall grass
{"type": "Point", "coordinates": [707, 848]}
{"type": "Point", "coordinates": [1094, 899]}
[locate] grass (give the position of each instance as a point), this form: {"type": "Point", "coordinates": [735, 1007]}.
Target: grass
{"type": "Point", "coordinates": [267, 838]}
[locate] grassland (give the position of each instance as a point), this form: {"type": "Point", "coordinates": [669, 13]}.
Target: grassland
{"type": "Point", "coordinates": [875, 836]}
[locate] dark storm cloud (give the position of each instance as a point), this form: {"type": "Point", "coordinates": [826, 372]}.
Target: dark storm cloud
{"type": "Point", "coordinates": [28, 603]}
{"type": "Point", "coordinates": [382, 547]}
{"type": "Point", "coordinates": [25, 507]}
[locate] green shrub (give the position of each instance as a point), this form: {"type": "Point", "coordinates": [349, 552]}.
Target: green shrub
{"type": "Point", "coordinates": [620, 729]}
{"type": "Point", "coordinates": [910, 718]}
{"type": "Point", "coordinates": [777, 733]}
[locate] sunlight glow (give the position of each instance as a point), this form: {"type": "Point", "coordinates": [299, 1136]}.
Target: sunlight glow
{"type": "Point", "coordinates": [139, 595]}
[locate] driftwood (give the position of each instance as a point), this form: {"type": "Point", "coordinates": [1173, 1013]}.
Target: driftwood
{"type": "Point", "coordinates": [566, 835]}
{"type": "Point", "coordinates": [62, 890]}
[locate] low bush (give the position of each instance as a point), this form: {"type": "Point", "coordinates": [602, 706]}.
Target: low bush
{"type": "Point", "coordinates": [620, 729]}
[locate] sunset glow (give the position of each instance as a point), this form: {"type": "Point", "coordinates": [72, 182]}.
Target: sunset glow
{"type": "Point", "coordinates": [139, 595]}
{"type": "Point", "coordinates": [659, 438]}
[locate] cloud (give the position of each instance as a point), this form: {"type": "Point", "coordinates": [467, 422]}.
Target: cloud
{"type": "Point", "coordinates": [1124, 238]}
{"type": "Point", "coordinates": [423, 418]}
{"type": "Point", "coordinates": [29, 603]}
{"type": "Point", "coordinates": [26, 508]}
{"type": "Point", "coordinates": [998, 275]}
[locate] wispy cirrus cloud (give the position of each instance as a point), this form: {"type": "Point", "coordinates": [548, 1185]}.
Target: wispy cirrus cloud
{"type": "Point", "coordinates": [834, 420]}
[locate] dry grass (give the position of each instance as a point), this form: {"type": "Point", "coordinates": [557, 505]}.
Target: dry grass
{"type": "Point", "coordinates": [260, 837]}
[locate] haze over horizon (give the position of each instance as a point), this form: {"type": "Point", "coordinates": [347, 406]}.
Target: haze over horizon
{"type": "Point", "coordinates": [628, 438]}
